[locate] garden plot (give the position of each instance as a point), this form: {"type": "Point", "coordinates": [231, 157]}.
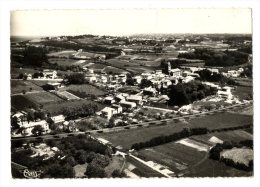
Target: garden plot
{"type": "Point", "coordinates": [239, 155]}
{"type": "Point", "coordinates": [67, 95]}
{"type": "Point", "coordinates": [43, 98]}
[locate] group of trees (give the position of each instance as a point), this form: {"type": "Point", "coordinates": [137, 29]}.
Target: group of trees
{"type": "Point", "coordinates": [145, 83]}
{"type": "Point", "coordinates": [217, 58]}
{"type": "Point", "coordinates": [186, 93]}
{"type": "Point", "coordinates": [75, 78]}
{"type": "Point", "coordinates": [82, 111]}
{"type": "Point", "coordinates": [186, 132]}
{"type": "Point", "coordinates": [215, 152]}
{"type": "Point", "coordinates": [35, 56]}
{"type": "Point", "coordinates": [207, 75]}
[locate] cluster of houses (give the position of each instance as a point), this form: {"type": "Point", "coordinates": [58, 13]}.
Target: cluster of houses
{"type": "Point", "coordinates": [45, 74]}
{"type": "Point", "coordinates": [26, 126]}
{"type": "Point", "coordinates": [110, 81]}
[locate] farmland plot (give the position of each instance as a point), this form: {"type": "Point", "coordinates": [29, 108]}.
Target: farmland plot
{"type": "Point", "coordinates": [43, 98]}
{"type": "Point", "coordinates": [18, 86]}
{"type": "Point", "coordinates": [20, 102]}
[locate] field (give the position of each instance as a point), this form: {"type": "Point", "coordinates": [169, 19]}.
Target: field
{"type": "Point", "coordinates": [239, 155]}
{"type": "Point", "coordinates": [236, 136]}
{"type": "Point", "coordinates": [113, 70]}
{"type": "Point", "coordinates": [62, 61]}
{"type": "Point", "coordinates": [67, 95]}
{"type": "Point", "coordinates": [243, 92]}
{"type": "Point", "coordinates": [43, 98]}
{"type": "Point", "coordinates": [212, 168]}
{"type": "Point", "coordinates": [65, 54]}
{"type": "Point", "coordinates": [16, 71]}
{"type": "Point", "coordinates": [20, 102]}
{"type": "Point", "coordinates": [55, 108]}
{"type": "Point", "coordinates": [176, 156]}
{"type": "Point", "coordinates": [131, 136]}
{"type": "Point", "coordinates": [86, 88]}
{"type": "Point", "coordinates": [18, 86]}
{"type": "Point", "coordinates": [221, 120]}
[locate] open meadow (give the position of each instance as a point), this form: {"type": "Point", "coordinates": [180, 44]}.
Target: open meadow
{"type": "Point", "coordinates": [18, 86]}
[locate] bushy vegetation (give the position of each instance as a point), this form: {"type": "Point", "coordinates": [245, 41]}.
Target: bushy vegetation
{"type": "Point", "coordinates": [207, 75]}
{"type": "Point", "coordinates": [73, 151]}
{"type": "Point", "coordinates": [217, 58]}
{"type": "Point", "coordinates": [186, 93]}
{"type": "Point", "coordinates": [76, 78]}
{"type": "Point", "coordinates": [82, 111]}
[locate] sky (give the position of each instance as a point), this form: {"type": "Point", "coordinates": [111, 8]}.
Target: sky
{"type": "Point", "coordinates": [129, 21]}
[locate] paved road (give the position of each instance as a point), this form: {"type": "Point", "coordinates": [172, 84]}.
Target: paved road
{"type": "Point", "coordinates": [144, 124]}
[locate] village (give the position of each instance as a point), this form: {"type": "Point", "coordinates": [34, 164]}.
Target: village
{"type": "Point", "coordinates": [139, 96]}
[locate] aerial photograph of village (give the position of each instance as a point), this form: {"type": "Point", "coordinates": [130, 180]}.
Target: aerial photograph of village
{"type": "Point", "coordinates": [141, 104]}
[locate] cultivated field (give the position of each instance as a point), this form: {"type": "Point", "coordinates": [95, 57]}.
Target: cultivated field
{"type": "Point", "coordinates": [65, 53]}
{"type": "Point", "coordinates": [87, 89]}
{"type": "Point", "coordinates": [173, 155]}
{"type": "Point", "coordinates": [20, 102]}
{"type": "Point", "coordinates": [43, 98]}
{"type": "Point", "coordinates": [67, 95]}
{"type": "Point", "coordinates": [62, 61]}
{"type": "Point", "coordinates": [239, 155]}
{"type": "Point", "coordinates": [243, 92]}
{"type": "Point", "coordinates": [131, 136]}
{"type": "Point", "coordinates": [18, 86]}
{"type": "Point", "coordinates": [221, 120]}
{"type": "Point", "coordinates": [56, 108]}
{"type": "Point", "coordinates": [235, 136]}
{"type": "Point", "coordinates": [213, 168]}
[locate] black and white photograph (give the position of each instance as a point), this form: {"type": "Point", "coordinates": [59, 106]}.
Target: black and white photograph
{"type": "Point", "coordinates": [131, 93]}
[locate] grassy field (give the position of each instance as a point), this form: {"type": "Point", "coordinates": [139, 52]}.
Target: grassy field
{"type": "Point", "coordinates": [236, 136]}
{"type": "Point", "coordinates": [43, 98]}
{"type": "Point", "coordinates": [221, 120]}
{"type": "Point", "coordinates": [56, 108]}
{"type": "Point", "coordinates": [18, 86]}
{"type": "Point", "coordinates": [16, 71]}
{"type": "Point", "coordinates": [20, 102]}
{"type": "Point", "coordinates": [243, 92]}
{"type": "Point", "coordinates": [176, 156]}
{"type": "Point", "coordinates": [62, 61]}
{"type": "Point", "coordinates": [86, 88]}
{"type": "Point", "coordinates": [129, 137]}
{"type": "Point", "coordinates": [65, 54]}
{"type": "Point", "coordinates": [212, 168]}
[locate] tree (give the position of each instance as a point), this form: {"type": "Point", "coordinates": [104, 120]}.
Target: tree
{"type": "Point", "coordinates": [14, 123]}
{"type": "Point", "coordinates": [117, 174]}
{"type": "Point", "coordinates": [129, 80]}
{"type": "Point", "coordinates": [37, 130]}
{"type": "Point", "coordinates": [76, 78]}
{"type": "Point", "coordinates": [60, 171]}
{"type": "Point", "coordinates": [95, 171]}
{"type": "Point", "coordinates": [35, 56]}
{"type": "Point", "coordinates": [111, 123]}
{"type": "Point", "coordinates": [145, 83]}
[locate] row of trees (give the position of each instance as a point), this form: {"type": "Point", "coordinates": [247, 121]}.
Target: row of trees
{"type": "Point", "coordinates": [186, 93]}
{"type": "Point", "coordinates": [186, 132]}
{"type": "Point", "coordinates": [215, 153]}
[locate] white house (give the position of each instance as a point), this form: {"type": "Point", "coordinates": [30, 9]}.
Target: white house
{"type": "Point", "coordinates": [29, 126]}
{"type": "Point", "coordinates": [175, 72]}
{"type": "Point", "coordinates": [108, 112]}
{"type": "Point", "coordinates": [149, 91]}
{"type": "Point", "coordinates": [58, 119]}
{"type": "Point", "coordinates": [109, 100]}
{"type": "Point", "coordinates": [136, 99]}
{"type": "Point", "coordinates": [91, 78]}
{"type": "Point", "coordinates": [49, 74]}
{"type": "Point", "coordinates": [137, 79]}
{"type": "Point", "coordinates": [127, 104]}
{"type": "Point", "coordinates": [225, 92]}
